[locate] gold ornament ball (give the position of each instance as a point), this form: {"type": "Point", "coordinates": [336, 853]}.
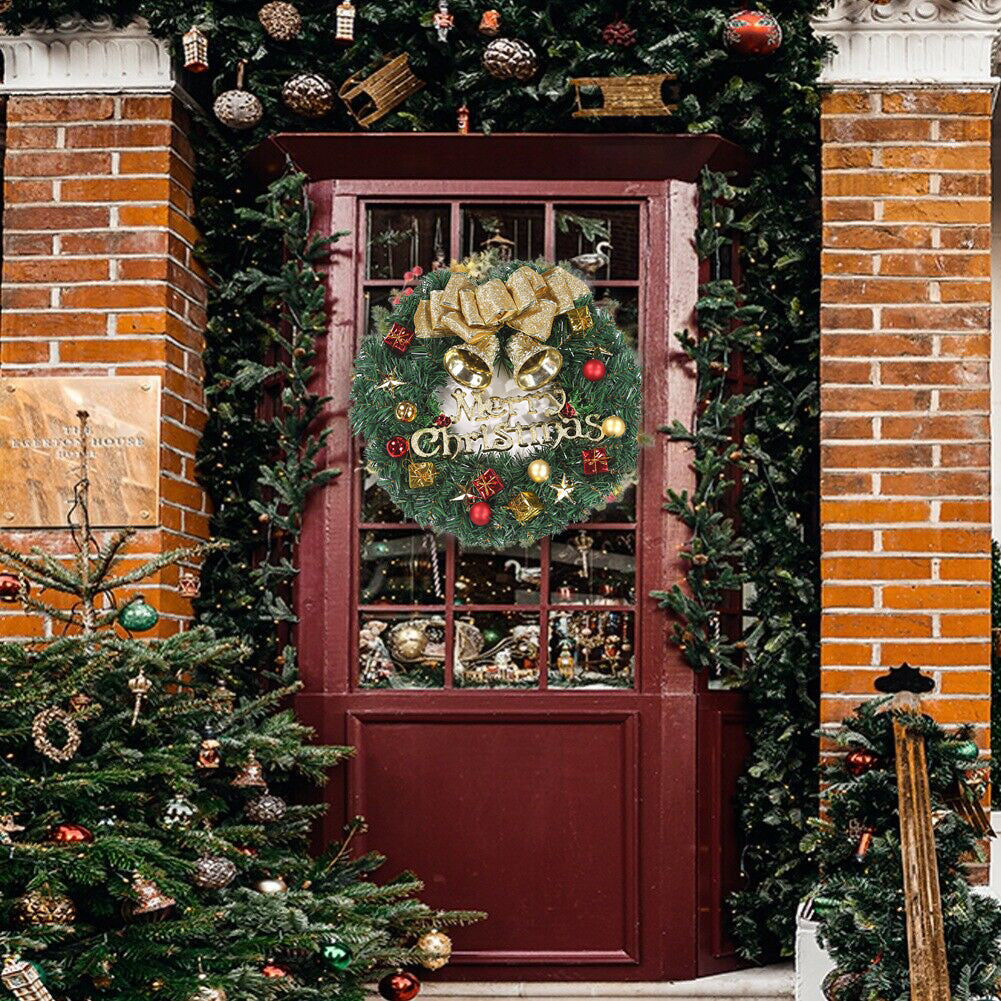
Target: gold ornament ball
{"type": "Point", "coordinates": [436, 947]}
{"type": "Point", "coordinates": [408, 642]}
{"type": "Point", "coordinates": [538, 470]}
{"type": "Point", "coordinates": [405, 411]}
{"type": "Point", "coordinates": [613, 427]}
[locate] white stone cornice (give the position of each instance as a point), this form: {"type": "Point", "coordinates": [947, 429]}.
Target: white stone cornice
{"type": "Point", "coordinates": [911, 41]}
{"type": "Point", "coordinates": [78, 56]}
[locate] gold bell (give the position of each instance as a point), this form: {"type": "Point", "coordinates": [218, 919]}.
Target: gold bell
{"type": "Point", "coordinates": [535, 364]}
{"type": "Point", "coordinates": [472, 365]}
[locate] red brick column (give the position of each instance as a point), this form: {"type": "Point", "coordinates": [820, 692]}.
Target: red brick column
{"type": "Point", "coordinates": [905, 395]}
{"type": "Point", "coordinates": [99, 276]}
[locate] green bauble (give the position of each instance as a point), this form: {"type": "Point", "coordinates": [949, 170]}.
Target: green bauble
{"type": "Point", "coordinates": [966, 750]}
{"type": "Point", "coordinates": [337, 956]}
{"type": "Point", "coordinates": [491, 637]}
{"type": "Point", "coordinates": [138, 615]}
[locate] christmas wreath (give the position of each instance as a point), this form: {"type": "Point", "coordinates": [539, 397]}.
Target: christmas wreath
{"type": "Point", "coordinates": [499, 411]}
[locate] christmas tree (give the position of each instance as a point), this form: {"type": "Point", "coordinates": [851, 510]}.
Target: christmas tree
{"type": "Point", "coordinates": [859, 902]}
{"type": "Point", "coordinates": [148, 851]}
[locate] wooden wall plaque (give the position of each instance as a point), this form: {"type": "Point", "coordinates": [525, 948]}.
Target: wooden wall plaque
{"type": "Point", "coordinates": [39, 456]}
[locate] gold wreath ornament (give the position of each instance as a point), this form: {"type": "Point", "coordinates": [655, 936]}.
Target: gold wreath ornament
{"type": "Point", "coordinates": [527, 302]}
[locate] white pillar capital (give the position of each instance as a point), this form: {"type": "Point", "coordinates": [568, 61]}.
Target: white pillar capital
{"type": "Point", "coordinates": [81, 56]}
{"type": "Point", "coordinates": [915, 42]}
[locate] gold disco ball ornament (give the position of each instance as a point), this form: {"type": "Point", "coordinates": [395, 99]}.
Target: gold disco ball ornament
{"type": "Point", "coordinates": [538, 470]}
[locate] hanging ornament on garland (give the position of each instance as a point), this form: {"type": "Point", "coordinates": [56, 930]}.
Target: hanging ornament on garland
{"type": "Point", "coordinates": [619, 33]}
{"type": "Point", "coordinates": [539, 470]}
{"type": "Point", "coordinates": [370, 98]}
{"type": "Point", "coordinates": [462, 119]}
{"type": "Point", "coordinates": [150, 901]}
{"type": "Point", "coordinates": [965, 750]}
{"type": "Point", "coordinates": [138, 615]}
{"type": "Point", "coordinates": [238, 109]}
{"type": "Point", "coordinates": [69, 834]}
{"type": "Point", "coordinates": [436, 948]}
{"type": "Point", "coordinates": [179, 813]}
{"type": "Point", "coordinates": [510, 59]}
{"type": "Point", "coordinates": [443, 20]}
{"type": "Point", "coordinates": [397, 447]}
{"type": "Point", "coordinates": [442, 421]}
{"type": "Point", "coordinates": [480, 513]}
{"type": "Point", "coordinates": [44, 908]}
{"type": "Point", "coordinates": [399, 986]}
{"type": "Point", "coordinates": [11, 587]}
{"type": "Point", "coordinates": [251, 775]}
{"type": "Point", "coordinates": [140, 687]}
{"type": "Point", "coordinates": [23, 980]}
{"type": "Point", "coordinates": [43, 743]}
{"type": "Point", "coordinates": [593, 370]}
{"type": "Point", "coordinates": [208, 751]}
{"type": "Point", "coordinates": [266, 809]}
{"type": "Point", "coordinates": [860, 761]}
{"type": "Point", "coordinates": [309, 95]}
{"type": "Point", "coordinates": [405, 411]}
{"type": "Point", "coordinates": [864, 844]}
{"type": "Point", "coordinates": [205, 993]}
{"type": "Point", "coordinates": [271, 885]}
{"type": "Point", "coordinates": [336, 956]}
{"type": "Point", "coordinates": [8, 826]}
{"type": "Point", "coordinates": [525, 506]}
{"type": "Point", "coordinates": [613, 427]}
{"type": "Point", "coordinates": [280, 20]}
{"type": "Point", "coordinates": [490, 23]}
{"type": "Point", "coordinates": [196, 50]}
{"type": "Point", "coordinates": [274, 971]}
{"type": "Point", "coordinates": [213, 872]}
{"type": "Point", "coordinates": [345, 23]}
{"type": "Point", "coordinates": [752, 33]}
{"type": "Point", "coordinates": [189, 584]}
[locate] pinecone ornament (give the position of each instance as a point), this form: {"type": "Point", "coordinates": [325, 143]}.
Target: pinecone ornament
{"type": "Point", "coordinates": [38, 908]}
{"type": "Point", "coordinates": [238, 109]}
{"type": "Point", "coordinates": [619, 33]}
{"type": "Point", "coordinates": [309, 95]}
{"type": "Point", "coordinates": [510, 59]}
{"type": "Point", "coordinates": [266, 809]}
{"type": "Point", "coordinates": [212, 872]}
{"type": "Point", "coordinates": [280, 20]}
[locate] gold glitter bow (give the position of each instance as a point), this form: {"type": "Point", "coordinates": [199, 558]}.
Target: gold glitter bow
{"type": "Point", "coordinates": [528, 302]}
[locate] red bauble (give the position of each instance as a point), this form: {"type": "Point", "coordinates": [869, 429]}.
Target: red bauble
{"type": "Point", "coordinates": [859, 762]}
{"type": "Point", "coordinates": [619, 33]}
{"type": "Point", "coordinates": [479, 513]}
{"type": "Point", "coordinates": [397, 447]}
{"type": "Point", "coordinates": [442, 421]}
{"type": "Point", "coordinates": [752, 33]}
{"type": "Point", "coordinates": [66, 834]}
{"type": "Point", "coordinates": [568, 411]}
{"type": "Point", "coordinates": [399, 986]}
{"type": "Point", "coordinates": [594, 370]}
{"type": "Point", "coordinates": [10, 587]}
{"type": "Point", "coordinates": [274, 971]}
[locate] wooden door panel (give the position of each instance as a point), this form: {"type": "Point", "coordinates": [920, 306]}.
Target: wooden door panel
{"type": "Point", "coordinates": [530, 816]}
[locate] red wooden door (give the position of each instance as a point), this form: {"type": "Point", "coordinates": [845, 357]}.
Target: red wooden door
{"type": "Point", "coordinates": [528, 738]}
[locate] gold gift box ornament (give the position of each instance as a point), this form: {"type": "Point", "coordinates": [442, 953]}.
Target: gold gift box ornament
{"type": "Point", "coordinates": [527, 302]}
{"type": "Point", "coordinates": [525, 506]}
{"type": "Point", "coordinates": [421, 474]}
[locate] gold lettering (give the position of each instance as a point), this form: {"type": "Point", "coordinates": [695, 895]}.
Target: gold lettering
{"type": "Point", "coordinates": [593, 421]}
{"type": "Point", "coordinates": [415, 441]}
{"type": "Point", "coordinates": [467, 409]}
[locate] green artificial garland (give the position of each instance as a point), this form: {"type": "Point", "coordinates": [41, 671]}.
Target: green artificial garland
{"type": "Point", "coordinates": [438, 491]}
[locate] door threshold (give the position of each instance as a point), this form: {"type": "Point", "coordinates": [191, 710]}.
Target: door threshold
{"type": "Point", "coordinates": [768, 983]}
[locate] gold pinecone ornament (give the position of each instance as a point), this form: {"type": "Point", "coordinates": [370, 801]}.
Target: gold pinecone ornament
{"type": "Point", "coordinates": [510, 59]}
{"type": "Point", "coordinates": [40, 908]}
{"type": "Point", "coordinates": [309, 95]}
{"type": "Point", "coordinates": [280, 20]}
{"type": "Point", "coordinates": [238, 109]}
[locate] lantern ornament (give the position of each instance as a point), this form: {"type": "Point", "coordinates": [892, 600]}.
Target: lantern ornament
{"type": "Point", "coordinates": [22, 979]}
{"type": "Point", "coordinates": [345, 23]}
{"type": "Point", "coordinates": [196, 50]}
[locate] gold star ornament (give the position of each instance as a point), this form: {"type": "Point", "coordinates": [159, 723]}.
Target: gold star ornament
{"type": "Point", "coordinates": [564, 489]}
{"type": "Point", "coordinates": [390, 381]}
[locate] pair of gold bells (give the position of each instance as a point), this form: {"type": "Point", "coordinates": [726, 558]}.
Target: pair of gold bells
{"type": "Point", "coordinates": [527, 302]}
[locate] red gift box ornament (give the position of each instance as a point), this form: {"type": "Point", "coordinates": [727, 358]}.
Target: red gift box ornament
{"type": "Point", "coordinates": [487, 484]}
{"type": "Point", "coordinates": [595, 461]}
{"type": "Point", "coordinates": [398, 338]}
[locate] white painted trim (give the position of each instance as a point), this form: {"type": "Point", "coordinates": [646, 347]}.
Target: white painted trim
{"type": "Point", "coordinates": [79, 56]}
{"type": "Point", "coordinates": [911, 42]}
{"type": "Point", "coordinates": [770, 983]}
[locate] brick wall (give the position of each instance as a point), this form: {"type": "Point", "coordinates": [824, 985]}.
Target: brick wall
{"type": "Point", "coordinates": [906, 396]}
{"type": "Point", "coordinates": [99, 278]}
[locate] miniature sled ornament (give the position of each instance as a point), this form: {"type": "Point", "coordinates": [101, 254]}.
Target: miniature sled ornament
{"type": "Point", "coordinates": [927, 963]}
{"type": "Point", "coordinates": [370, 98]}
{"type": "Point", "coordinates": [627, 96]}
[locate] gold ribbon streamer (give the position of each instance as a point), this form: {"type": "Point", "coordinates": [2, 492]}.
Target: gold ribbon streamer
{"type": "Point", "coordinates": [528, 302]}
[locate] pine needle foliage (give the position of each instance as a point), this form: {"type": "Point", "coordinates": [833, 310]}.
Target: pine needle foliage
{"type": "Point", "coordinates": [860, 904]}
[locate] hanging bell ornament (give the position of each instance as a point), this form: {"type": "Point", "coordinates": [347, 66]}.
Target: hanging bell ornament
{"type": "Point", "coordinates": [196, 50]}
{"type": "Point", "coordinates": [436, 947]}
{"type": "Point", "coordinates": [266, 809]}
{"type": "Point", "coordinates": [213, 872]}
{"type": "Point", "coordinates": [309, 95]}
{"type": "Point", "coordinates": [208, 752]}
{"type": "Point", "coordinates": [238, 109]}
{"type": "Point", "coordinates": [138, 615]}
{"type": "Point", "coordinates": [399, 986]}
{"type": "Point", "coordinates": [271, 885]}
{"type": "Point", "coordinates": [23, 980]}
{"type": "Point", "coordinates": [490, 23]}
{"type": "Point", "coordinates": [345, 23]}
{"type": "Point", "coordinates": [251, 775]}
{"type": "Point", "coordinates": [443, 20]}
{"type": "Point", "coordinates": [280, 20]}
{"type": "Point", "coordinates": [336, 956]}
{"type": "Point", "coordinates": [150, 900]}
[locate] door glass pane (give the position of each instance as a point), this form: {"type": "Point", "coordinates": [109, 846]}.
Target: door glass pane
{"type": "Point", "coordinates": [496, 650]}
{"type": "Point", "coordinates": [622, 305]}
{"type": "Point", "coordinates": [401, 568]}
{"type": "Point", "coordinates": [620, 506]}
{"type": "Point", "coordinates": [591, 649]}
{"type": "Point", "coordinates": [514, 232]}
{"type": "Point", "coordinates": [401, 236]}
{"type": "Point", "coordinates": [376, 505]}
{"type": "Point", "coordinates": [498, 577]}
{"type": "Point", "coordinates": [593, 568]}
{"type": "Point", "coordinates": [581, 231]}
{"type": "Point", "coordinates": [376, 300]}
{"type": "Point", "coordinates": [401, 650]}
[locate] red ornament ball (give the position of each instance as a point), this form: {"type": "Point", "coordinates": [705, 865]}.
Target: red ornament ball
{"type": "Point", "coordinates": [399, 986]}
{"type": "Point", "coordinates": [67, 834]}
{"type": "Point", "coordinates": [619, 33]}
{"type": "Point", "coordinates": [397, 447]}
{"type": "Point", "coordinates": [274, 971]}
{"type": "Point", "coordinates": [568, 411]}
{"type": "Point", "coordinates": [442, 421]}
{"type": "Point", "coordinates": [10, 587]}
{"type": "Point", "coordinates": [859, 761]}
{"type": "Point", "coordinates": [479, 513]}
{"type": "Point", "coordinates": [752, 33]}
{"type": "Point", "coordinates": [594, 370]}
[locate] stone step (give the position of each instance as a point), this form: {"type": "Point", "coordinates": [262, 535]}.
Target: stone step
{"type": "Point", "coordinates": [771, 983]}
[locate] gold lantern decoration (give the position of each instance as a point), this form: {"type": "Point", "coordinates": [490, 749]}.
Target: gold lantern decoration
{"type": "Point", "coordinates": [196, 50]}
{"type": "Point", "coordinates": [345, 23]}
